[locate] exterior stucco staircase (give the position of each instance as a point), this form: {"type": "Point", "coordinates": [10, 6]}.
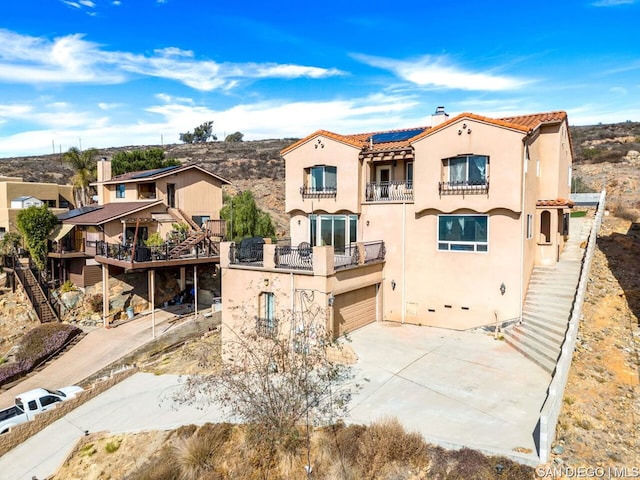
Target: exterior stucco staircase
{"type": "Point", "coordinates": [549, 303]}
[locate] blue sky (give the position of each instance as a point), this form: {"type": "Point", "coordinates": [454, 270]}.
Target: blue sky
{"type": "Point", "coordinates": [102, 73]}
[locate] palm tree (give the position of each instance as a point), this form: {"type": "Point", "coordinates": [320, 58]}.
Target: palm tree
{"type": "Point", "coordinates": [85, 172]}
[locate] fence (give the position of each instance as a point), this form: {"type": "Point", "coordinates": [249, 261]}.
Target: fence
{"type": "Point", "coordinates": [553, 404]}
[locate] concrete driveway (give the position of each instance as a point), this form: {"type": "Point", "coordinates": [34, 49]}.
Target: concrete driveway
{"type": "Point", "coordinates": [141, 402]}
{"type": "Point", "coordinates": [455, 388]}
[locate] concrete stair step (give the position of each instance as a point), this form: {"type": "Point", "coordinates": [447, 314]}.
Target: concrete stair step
{"type": "Point", "coordinates": [556, 323]}
{"type": "Point", "coordinates": [541, 356]}
{"type": "Point", "coordinates": [550, 292]}
{"type": "Point", "coordinates": [538, 305]}
{"type": "Point", "coordinates": [549, 337]}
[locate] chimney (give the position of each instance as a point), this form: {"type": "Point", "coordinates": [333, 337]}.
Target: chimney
{"type": "Point", "coordinates": [104, 170]}
{"type": "Point", "coordinates": [440, 116]}
{"type": "Point", "coordinates": [104, 174]}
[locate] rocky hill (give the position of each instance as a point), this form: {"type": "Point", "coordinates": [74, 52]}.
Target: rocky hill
{"type": "Point", "coordinates": [605, 156]}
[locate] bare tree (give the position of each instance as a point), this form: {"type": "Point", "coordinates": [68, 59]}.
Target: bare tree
{"type": "Point", "coordinates": [279, 377]}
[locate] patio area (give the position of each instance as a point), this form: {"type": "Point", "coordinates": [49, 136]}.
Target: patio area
{"type": "Point", "coordinates": [458, 389]}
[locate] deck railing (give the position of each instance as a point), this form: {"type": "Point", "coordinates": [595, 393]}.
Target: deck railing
{"type": "Point", "coordinates": [374, 251]}
{"type": "Point", "coordinates": [294, 258]}
{"type": "Point", "coordinates": [350, 257]}
{"type": "Point", "coordinates": [251, 254]}
{"type": "Point", "coordinates": [394, 191]}
{"type": "Point", "coordinates": [154, 253]}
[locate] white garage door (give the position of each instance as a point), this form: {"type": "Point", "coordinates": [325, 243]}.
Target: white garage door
{"type": "Point", "coordinates": [354, 309]}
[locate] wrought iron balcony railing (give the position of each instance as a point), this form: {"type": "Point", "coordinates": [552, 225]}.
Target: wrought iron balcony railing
{"type": "Point", "coordinates": [394, 191]}
{"type": "Point", "coordinates": [464, 188]}
{"type": "Point", "coordinates": [316, 192]}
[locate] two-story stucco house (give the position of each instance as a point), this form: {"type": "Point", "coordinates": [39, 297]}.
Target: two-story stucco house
{"type": "Point", "coordinates": [132, 207]}
{"type": "Point", "coordinates": [465, 208]}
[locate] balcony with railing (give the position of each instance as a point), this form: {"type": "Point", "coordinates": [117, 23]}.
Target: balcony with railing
{"type": "Point", "coordinates": [196, 248]}
{"type": "Point", "coordinates": [392, 191]}
{"type": "Point", "coordinates": [302, 257]}
{"type": "Point", "coordinates": [464, 188]}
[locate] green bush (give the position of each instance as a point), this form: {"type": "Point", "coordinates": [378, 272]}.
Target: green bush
{"type": "Point", "coordinates": [154, 240]}
{"type": "Point", "coordinates": [67, 286]}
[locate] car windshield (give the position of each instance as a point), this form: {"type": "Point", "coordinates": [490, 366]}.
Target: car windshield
{"type": "Point", "coordinates": [55, 392]}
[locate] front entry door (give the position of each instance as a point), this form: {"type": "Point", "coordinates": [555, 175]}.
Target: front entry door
{"type": "Point", "coordinates": [383, 176]}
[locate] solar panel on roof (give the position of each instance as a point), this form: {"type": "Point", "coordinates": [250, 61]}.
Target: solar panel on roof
{"type": "Point", "coordinates": [77, 212]}
{"type": "Point", "coordinates": [395, 136]}
{"type": "Point", "coordinates": [151, 173]}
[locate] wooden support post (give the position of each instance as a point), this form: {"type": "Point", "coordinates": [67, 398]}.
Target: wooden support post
{"type": "Point", "coordinates": [195, 289]}
{"type": "Point", "coordinates": [152, 298]}
{"type": "Point", "coordinates": [105, 295]}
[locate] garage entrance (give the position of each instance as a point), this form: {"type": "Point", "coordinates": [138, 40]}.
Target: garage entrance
{"type": "Point", "coordinates": [355, 309]}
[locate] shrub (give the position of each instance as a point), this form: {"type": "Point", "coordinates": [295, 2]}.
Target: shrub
{"type": "Point", "coordinates": [67, 286]}
{"type": "Point", "coordinates": [194, 457]}
{"type": "Point", "coordinates": [113, 446]}
{"type": "Point", "coordinates": [386, 442]}
{"type": "Point", "coordinates": [154, 240]}
{"type": "Point", "coordinates": [36, 346]}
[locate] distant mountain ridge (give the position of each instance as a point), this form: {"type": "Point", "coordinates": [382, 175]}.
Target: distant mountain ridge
{"type": "Point", "coordinates": [604, 157]}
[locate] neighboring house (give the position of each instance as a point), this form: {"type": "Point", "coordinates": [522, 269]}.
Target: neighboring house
{"type": "Point", "coordinates": [131, 208]}
{"type": "Point", "coordinates": [16, 194]}
{"type": "Point", "coordinates": [465, 208]}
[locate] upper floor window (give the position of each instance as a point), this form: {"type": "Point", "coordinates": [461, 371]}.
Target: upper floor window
{"type": "Point", "coordinates": [465, 174]}
{"type": "Point", "coordinates": [463, 233]}
{"type": "Point", "coordinates": [146, 191]}
{"type": "Point", "coordinates": [120, 190]}
{"type": "Point", "coordinates": [320, 181]}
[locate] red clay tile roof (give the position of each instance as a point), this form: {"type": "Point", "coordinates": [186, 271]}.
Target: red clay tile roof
{"type": "Point", "coordinates": [523, 123]}
{"type": "Point", "coordinates": [536, 119]}
{"type": "Point", "coordinates": [110, 211]}
{"type": "Point", "coordinates": [558, 202]}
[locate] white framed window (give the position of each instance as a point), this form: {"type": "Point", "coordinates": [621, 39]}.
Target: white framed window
{"type": "Point", "coordinates": [463, 233]}
{"type": "Point", "coordinates": [467, 170]}
{"type": "Point", "coordinates": [322, 179]}
{"type": "Point", "coordinates": [529, 226]}
{"type": "Point", "coordinates": [337, 230]}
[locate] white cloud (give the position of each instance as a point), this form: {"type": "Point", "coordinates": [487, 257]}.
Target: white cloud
{"type": "Point", "coordinates": [612, 3]}
{"type": "Point", "coordinates": [618, 90]}
{"type": "Point", "coordinates": [71, 59]}
{"type": "Point", "coordinates": [440, 72]}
